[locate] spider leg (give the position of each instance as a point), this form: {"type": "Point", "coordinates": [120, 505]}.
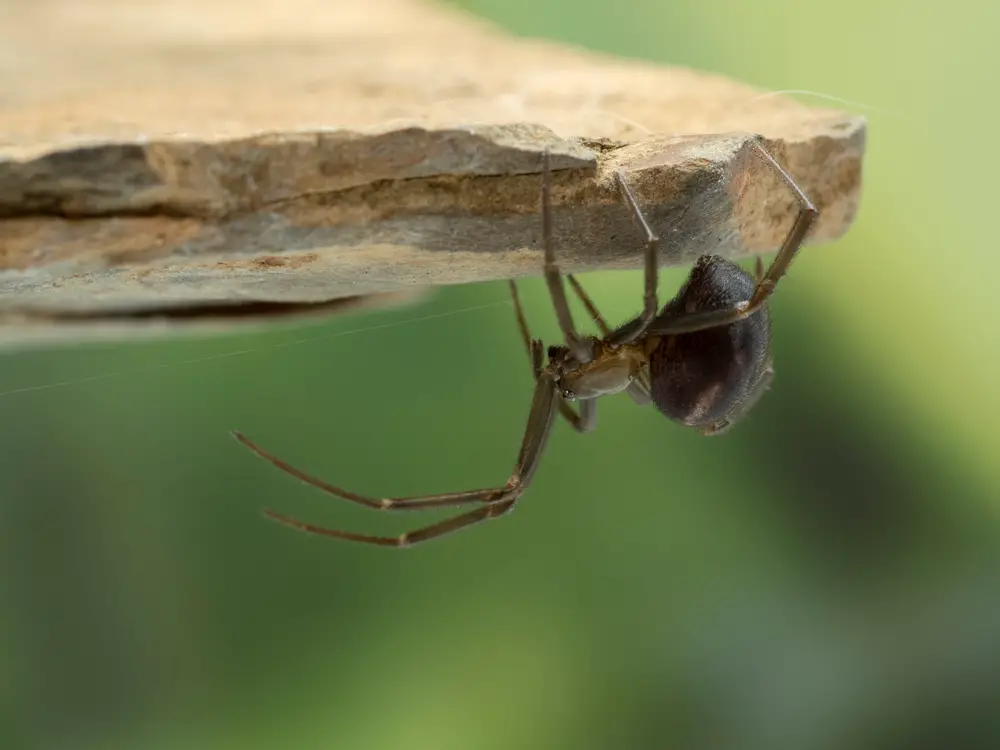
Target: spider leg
{"type": "Point", "coordinates": [639, 389]}
{"type": "Point", "coordinates": [498, 500]}
{"type": "Point", "coordinates": [583, 421]}
{"type": "Point", "coordinates": [522, 324]}
{"type": "Point", "coordinates": [576, 344]}
{"type": "Point", "coordinates": [408, 538]}
{"type": "Point", "coordinates": [650, 306]}
{"type": "Point", "coordinates": [595, 314]}
{"type": "Point", "coordinates": [586, 418]}
{"type": "Point", "coordinates": [420, 502]}
{"type": "Point", "coordinates": [766, 282]}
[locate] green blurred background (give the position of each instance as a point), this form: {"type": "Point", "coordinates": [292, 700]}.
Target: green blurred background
{"type": "Point", "coordinates": [826, 576]}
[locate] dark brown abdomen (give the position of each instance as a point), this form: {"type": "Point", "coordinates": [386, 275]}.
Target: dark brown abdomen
{"type": "Point", "coordinates": [699, 378]}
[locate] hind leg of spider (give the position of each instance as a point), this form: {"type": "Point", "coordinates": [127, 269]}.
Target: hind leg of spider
{"type": "Point", "coordinates": [583, 420]}
{"type": "Point", "coordinates": [800, 228]}
{"type": "Point", "coordinates": [766, 283]}
{"type": "Point", "coordinates": [536, 433]}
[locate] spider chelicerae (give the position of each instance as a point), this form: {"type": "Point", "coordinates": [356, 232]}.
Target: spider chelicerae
{"type": "Point", "coordinates": [703, 360]}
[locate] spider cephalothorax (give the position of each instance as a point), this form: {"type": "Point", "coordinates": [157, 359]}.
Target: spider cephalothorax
{"type": "Point", "coordinates": [703, 359]}
{"type": "Point", "coordinates": [607, 369]}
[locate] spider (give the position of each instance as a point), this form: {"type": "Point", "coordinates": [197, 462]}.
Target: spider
{"type": "Point", "coordinates": [703, 360]}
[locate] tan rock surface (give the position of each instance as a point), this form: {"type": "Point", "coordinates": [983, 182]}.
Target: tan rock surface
{"type": "Point", "coordinates": [190, 155]}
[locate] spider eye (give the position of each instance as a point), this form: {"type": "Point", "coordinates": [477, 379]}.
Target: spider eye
{"type": "Point", "coordinates": [568, 394]}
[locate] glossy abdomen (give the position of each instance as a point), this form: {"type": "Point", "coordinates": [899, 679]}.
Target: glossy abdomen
{"type": "Point", "coordinates": [699, 378]}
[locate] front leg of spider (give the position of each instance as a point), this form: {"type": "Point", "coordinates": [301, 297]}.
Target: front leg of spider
{"type": "Point", "coordinates": [492, 502]}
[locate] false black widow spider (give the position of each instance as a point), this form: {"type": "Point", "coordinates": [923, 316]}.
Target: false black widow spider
{"type": "Point", "coordinates": [703, 360]}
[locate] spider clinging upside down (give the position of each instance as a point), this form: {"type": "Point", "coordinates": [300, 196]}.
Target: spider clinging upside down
{"type": "Point", "coordinates": [703, 360]}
